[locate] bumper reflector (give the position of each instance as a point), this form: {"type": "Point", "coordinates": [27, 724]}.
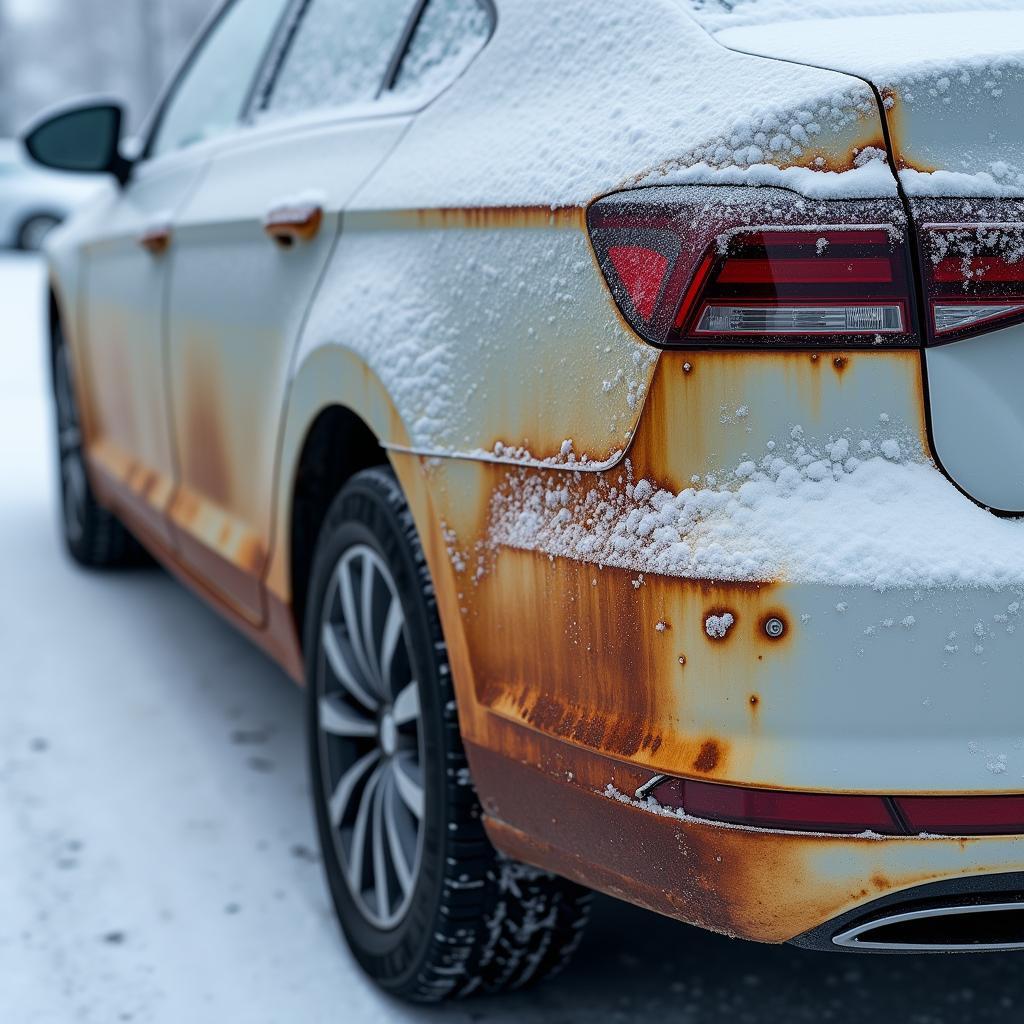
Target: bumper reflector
{"type": "Point", "coordinates": [839, 813]}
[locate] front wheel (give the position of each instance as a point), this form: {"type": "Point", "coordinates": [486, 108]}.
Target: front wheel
{"type": "Point", "coordinates": [429, 908]}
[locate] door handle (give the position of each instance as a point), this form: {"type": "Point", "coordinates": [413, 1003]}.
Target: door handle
{"type": "Point", "coordinates": [294, 221]}
{"type": "Point", "coordinates": [156, 239]}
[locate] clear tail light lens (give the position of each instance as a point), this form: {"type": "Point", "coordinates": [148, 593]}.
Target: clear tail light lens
{"type": "Point", "coordinates": [973, 278]}
{"type": "Point", "coordinates": [731, 275]}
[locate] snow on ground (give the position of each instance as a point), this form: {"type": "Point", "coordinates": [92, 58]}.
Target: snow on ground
{"type": "Point", "coordinates": [156, 847]}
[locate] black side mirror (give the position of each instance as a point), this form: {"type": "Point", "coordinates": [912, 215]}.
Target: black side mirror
{"type": "Point", "coordinates": [81, 138]}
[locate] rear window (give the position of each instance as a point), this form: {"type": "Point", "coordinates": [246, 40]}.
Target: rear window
{"type": "Point", "coordinates": [339, 55]}
{"type": "Point", "coordinates": [720, 14]}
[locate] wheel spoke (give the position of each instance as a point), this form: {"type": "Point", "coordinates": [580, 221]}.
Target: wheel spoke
{"type": "Point", "coordinates": [355, 864]}
{"type": "Point", "coordinates": [342, 670]}
{"type": "Point", "coordinates": [410, 788]}
{"type": "Point", "coordinates": [352, 623]}
{"type": "Point", "coordinates": [406, 708]}
{"type": "Point", "coordinates": [339, 801]}
{"type": "Point", "coordinates": [403, 870]}
{"type": "Point", "coordinates": [337, 718]}
{"type": "Point", "coordinates": [389, 641]}
{"type": "Point", "coordinates": [366, 621]}
{"type": "Point", "coordinates": [382, 891]}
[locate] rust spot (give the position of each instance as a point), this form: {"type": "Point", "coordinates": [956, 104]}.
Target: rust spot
{"type": "Point", "coordinates": [490, 217]}
{"type": "Point", "coordinates": [682, 659]}
{"type": "Point", "coordinates": [754, 701]}
{"type": "Point", "coordinates": [880, 882]}
{"type": "Point", "coordinates": [814, 357]}
{"type": "Point", "coordinates": [707, 757]}
{"type": "Point", "coordinates": [840, 363]}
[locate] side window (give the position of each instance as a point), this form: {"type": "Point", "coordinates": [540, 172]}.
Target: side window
{"type": "Point", "coordinates": [449, 35]}
{"type": "Point", "coordinates": [339, 55]}
{"type": "Point", "coordinates": [209, 99]}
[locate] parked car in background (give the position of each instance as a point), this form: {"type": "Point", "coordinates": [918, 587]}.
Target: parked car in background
{"type": "Point", "coordinates": [610, 412]}
{"type": "Point", "coordinates": [34, 200]}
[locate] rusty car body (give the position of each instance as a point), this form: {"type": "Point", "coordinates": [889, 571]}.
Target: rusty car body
{"type": "Point", "coordinates": [259, 314]}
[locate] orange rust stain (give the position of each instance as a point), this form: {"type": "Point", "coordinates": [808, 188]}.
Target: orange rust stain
{"type": "Point", "coordinates": [490, 217]}
{"type": "Point", "coordinates": [708, 757]}
{"type": "Point", "coordinates": [754, 701]}
{"type": "Point", "coordinates": [880, 882]}
{"type": "Point", "coordinates": [896, 119]}
{"type": "Point", "coordinates": [205, 464]}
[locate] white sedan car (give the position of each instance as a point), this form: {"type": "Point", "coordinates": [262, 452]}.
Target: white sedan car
{"type": "Point", "coordinates": [33, 201]}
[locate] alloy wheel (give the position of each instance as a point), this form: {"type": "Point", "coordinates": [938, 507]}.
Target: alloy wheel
{"type": "Point", "coordinates": [370, 737]}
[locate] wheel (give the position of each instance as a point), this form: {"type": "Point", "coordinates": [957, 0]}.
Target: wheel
{"type": "Point", "coordinates": [428, 906]}
{"type": "Point", "coordinates": [94, 537]}
{"type": "Point", "coordinates": [33, 232]}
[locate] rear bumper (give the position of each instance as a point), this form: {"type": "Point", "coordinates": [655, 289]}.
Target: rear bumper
{"type": "Point", "coordinates": [766, 886]}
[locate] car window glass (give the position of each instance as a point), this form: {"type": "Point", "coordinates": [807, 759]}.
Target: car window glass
{"type": "Point", "coordinates": [340, 54]}
{"type": "Point", "coordinates": [209, 99]}
{"type": "Point", "coordinates": [449, 35]}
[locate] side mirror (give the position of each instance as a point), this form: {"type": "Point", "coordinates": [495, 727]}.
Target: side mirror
{"type": "Point", "coordinates": [81, 138]}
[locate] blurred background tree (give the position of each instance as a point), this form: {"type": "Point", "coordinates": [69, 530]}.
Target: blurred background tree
{"type": "Point", "coordinates": [53, 50]}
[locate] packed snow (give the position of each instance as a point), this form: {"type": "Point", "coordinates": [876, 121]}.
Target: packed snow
{"type": "Point", "coordinates": [952, 82]}
{"type": "Point", "coordinates": [782, 515]}
{"type": "Point", "coordinates": [574, 100]}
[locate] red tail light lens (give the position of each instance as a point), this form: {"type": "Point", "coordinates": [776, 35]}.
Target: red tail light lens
{"type": "Point", "coordinates": [732, 277]}
{"type": "Point", "coordinates": [801, 285]}
{"type": "Point", "coordinates": [973, 277]}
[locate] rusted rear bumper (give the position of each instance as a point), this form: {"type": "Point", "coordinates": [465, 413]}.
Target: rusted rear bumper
{"type": "Point", "coordinates": [760, 885]}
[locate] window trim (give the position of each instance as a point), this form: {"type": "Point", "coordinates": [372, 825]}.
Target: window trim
{"type": "Point", "coordinates": [405, 44]}
{"type": "Point", "coordinates": [266, 79]}
{"type": "Point", "coordinates": [199, 43]}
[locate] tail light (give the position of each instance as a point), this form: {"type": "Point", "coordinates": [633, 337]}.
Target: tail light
{"type": "Point", "coordinates": [740, 273]}
{"type": "Point", "coordinates": [973, 278]}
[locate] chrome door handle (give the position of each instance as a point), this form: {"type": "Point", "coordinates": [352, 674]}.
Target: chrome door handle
{"type": "Point", "coordinates": [291, 222]}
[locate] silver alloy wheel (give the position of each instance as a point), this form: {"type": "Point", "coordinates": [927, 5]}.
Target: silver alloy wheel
{"type": "Point", "coordinates": [370, 736]}
{"type": "Point", "coordinates": [69, 441]}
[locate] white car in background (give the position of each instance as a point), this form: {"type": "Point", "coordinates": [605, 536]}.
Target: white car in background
{"type": "Point", "coordinates": [33, 201]}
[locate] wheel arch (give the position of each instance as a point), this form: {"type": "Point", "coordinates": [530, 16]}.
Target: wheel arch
{"type": "Point", "coordinates": [338, 444]}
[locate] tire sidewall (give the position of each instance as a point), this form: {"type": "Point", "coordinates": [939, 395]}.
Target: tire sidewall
{"type": "Point", "coordinates": [362, 514]}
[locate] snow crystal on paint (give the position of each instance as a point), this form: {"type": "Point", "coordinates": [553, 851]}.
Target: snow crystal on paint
{"type": "Point", "coordinates": [803, 512]}
{"type": "Point", "coordinates": [716, 626]}
{"type": "Point", "coordinates": [537, 120]}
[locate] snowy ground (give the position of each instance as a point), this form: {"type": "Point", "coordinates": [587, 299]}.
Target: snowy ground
{"type": "Point", "coordinates": [156, 849]}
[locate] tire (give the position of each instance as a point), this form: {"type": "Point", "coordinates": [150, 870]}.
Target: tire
{"type": "Point", "coordinates": [34, 230]}
{"type": "Point", "coordinates": [94, 537]}
{"type": "Point", "coordinates": [457, 917]}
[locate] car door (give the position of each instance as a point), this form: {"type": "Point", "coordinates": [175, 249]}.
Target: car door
{"type": "Point", "coordinates": [250, 244]}
{"type": "Point", "coordinates": [126, 267]}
